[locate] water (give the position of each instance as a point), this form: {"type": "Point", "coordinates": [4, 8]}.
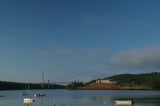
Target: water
{"type": "Point", "coordinates": [82, 98]}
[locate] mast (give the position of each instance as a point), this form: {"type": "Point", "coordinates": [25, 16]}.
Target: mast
{"type": "Point", "coordinates": [25, 86]}
{"type": "Point", "coordinates": [42, 84]}
{"type": "Point", "coordinates": [28, 89]}
{"type": "Point", "coordinates": [48, 84]}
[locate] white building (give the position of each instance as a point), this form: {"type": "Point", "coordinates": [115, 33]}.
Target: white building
{"type": "Point", "coordinates": [106, 81]}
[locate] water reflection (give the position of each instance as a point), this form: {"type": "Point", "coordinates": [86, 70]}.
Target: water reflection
{"type": "Point", "coordinates": [103, 99]}
{"type": "Point", "coordinates": [141, 101]}
{"type": "Point", "coordinates": [41, 100]}
{"type": "Point", "coordinates": [84, 98]}
{"type": "Point", "coordinates": [27, 104]}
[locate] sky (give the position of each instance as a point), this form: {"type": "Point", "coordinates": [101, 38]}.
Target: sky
{"type": "Point", "coordinates": [78, 39]}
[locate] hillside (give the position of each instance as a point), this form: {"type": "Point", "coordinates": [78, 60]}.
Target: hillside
{"type": "Point", "coordinates": [146, 81]}
{"type": "Point", "coordinates": [98, 86]}
{"type": "Point", "coordinates": [149, 80]}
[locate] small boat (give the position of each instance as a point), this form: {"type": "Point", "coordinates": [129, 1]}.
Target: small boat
{"type": "Point", "coordinates": [2, 95]}
{"type": "Point", "coordinates": [123, 102]}
{"type": "Point", "coordinates": [28, 100]}
{"type": "Point", "coordinates": [39, 95]}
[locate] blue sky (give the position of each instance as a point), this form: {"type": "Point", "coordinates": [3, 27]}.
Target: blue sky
{"type": "Point", "coordinates": [77, 39]}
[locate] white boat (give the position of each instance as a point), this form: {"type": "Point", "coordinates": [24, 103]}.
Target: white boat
{"type": "Point", "coordinates": [39, 95]}
{"type": "Point", "coordinates": [123, 102]}
{"type": "Point", "coordinates": [28, 100]}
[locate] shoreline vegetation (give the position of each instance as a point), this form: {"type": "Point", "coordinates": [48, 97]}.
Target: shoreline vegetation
{"type": "Point", "coordinates": [145, 81]}
{"type": "Point", "coordinates": [5, 85]}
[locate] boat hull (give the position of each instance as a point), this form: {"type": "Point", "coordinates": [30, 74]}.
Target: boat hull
{"type": "Point", "coordinates": [39, 95]}
{"type": "Point", "coordinates": [28, 100]}
{"type": "Point", "coordinates": [123, 102]}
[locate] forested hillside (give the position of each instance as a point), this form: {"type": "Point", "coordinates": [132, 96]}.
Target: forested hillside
{"type": "Point", "coordinates": [151, 80]}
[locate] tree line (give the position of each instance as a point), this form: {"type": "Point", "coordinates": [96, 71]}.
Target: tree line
{"type": "Point", "coordinates": [5, 85]}
{"type": "Point", "coordinates": [151, 80]}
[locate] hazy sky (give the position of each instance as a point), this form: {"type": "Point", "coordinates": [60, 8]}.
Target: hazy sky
{"type": "Point", "coordinates": [78, 39]}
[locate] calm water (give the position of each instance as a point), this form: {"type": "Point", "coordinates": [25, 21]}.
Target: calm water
{"type": "Point", "coordinates": [83, 98]}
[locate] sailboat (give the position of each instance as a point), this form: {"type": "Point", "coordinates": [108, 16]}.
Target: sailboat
{"type": "Point", "coordinates": [40, 94]}
{"type": "Point", "coordinates": [25, 93]}
{"type": "Point", "coordinates": [28, 99]}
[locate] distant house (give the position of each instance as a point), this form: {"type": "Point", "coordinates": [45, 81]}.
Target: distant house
{"type": "Point", "coordinates": [106, 81]}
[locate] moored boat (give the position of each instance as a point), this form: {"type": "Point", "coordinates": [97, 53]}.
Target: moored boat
{"type": "Point", "coordinates": [123, 102]}
{"type": "Point", "coordinates": [25, 93]}
{"type": "Point", "coordinates": [28, 100]}
{"type": "Point", "coordinates": [39, 95]}
{"type": "Point", "coordinates": [2, 95]}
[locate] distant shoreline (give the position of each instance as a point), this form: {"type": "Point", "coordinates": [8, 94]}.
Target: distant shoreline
{"type": "Point", "coordinates": [144, 81]}
{"type": "Point", "coordinates": [4, 85]}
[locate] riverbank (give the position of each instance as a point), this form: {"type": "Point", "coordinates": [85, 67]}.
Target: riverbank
{"type": "Point", "coordinates": [144, 81]}
{"type": "Point", "coordinates": [104, 86]}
